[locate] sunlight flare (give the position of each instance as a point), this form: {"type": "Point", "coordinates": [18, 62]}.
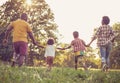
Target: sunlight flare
{"type": "Point", "coordinates": [29, 2]}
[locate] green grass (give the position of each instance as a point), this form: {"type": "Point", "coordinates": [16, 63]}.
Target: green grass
{"type": "Point", "coordinates": [57, 75]}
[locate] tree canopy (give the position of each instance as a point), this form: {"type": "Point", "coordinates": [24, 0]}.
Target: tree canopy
{"type": "Point", "coordinates": [115, 53]}
{"type": "Point", "coordinates": [40, 17]}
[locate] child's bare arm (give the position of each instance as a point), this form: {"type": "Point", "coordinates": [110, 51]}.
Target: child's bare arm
{"type": "Point", "coordinates": [59, 48]}
{"type": "Point", "coordinates": [64, 48]}
{"type": "Point", "coordinates": [67, 47]}
{"type": "Point", "coordinates": [84, 44]}
{"type": "Point", "coordinates": [40, 46]}
{"type": "Point", "coordinates": [92, 40]}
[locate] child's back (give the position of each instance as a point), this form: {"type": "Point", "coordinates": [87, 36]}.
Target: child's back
{"type": "Point", "coordinates": [78, 44]}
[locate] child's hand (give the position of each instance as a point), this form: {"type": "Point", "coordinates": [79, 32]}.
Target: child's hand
{"type": "Point", "coordinates": [37, 44]}
{"type": "Point", "coordinates": [88, 45]}
{"type": "Point", "coordinates": [61, 48]}
{"type": "Point", "coordinates": [40, 46]}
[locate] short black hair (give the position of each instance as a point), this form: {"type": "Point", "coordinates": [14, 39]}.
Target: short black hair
{"type": "Point", "coordinates": [24, 16]}
{"type": "Point", "coordinates": [75, 34]}
{"type": "Point", "coordinates": [50, 41]}
{"type": "Point", "coordinates": [105, 20]}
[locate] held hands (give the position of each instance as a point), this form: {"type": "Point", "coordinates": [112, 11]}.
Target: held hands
{"type": "Point", "coordinates": [40, 46]}
{"type": "Point", "coordinates": [88, 45]}
{"type": "Point", "coordinates": [91, 42]}
{"type": "Point", "coordinates": [61, 48]}
{"type": "Point", "coordinates": [37, 44]}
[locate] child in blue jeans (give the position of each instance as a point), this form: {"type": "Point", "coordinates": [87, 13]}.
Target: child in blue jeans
{"type": "Point", "coordinates": [105, 36]}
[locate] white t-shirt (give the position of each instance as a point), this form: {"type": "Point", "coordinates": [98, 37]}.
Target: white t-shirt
{"type": "Point", "coordinates": [50, 51]}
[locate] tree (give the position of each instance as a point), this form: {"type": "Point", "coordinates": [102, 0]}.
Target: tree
{"type": "Point", "coordinates": [115, 53]}
{"type": "Point", "coordinates": [41, 19]}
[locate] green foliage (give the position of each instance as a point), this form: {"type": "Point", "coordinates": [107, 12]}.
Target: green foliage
{"type": "Point", "coordinates": [100, 77]}
{"type": "Point", "coordinates": [92, 57]}
{"type": "Point", "coordinates": [56, 75]}
{"type": "Point", "coordinates": [115, 53]}
{"type": "Point", "coordinates": [40, 18]}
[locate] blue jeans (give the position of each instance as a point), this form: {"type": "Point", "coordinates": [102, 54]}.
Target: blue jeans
{"type": "Point", "coordinates": [105, 52]}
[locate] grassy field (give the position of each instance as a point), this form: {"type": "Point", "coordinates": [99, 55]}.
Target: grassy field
{"type": "Point", "coordinates": [57, 75]}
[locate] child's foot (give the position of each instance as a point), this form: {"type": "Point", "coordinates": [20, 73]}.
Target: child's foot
{"type": "Point", "coordinates": [89, 67]}
{"type": "Point", "coordinates": [48, 69]}
{"type": "Point", "coordinates": [75, 67]}
{"type": "Point", "coordinates": [104, 67]}
{"type": "Point", "coordinates": [13, 64]}
{"type": "Point", "coordinates": [85, 68]}
{"type": "Point", "coordinates": [107, 68]}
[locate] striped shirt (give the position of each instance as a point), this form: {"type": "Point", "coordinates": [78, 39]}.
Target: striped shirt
{"type": "Point", "coordinates": [104, 34]}
{"type": "Point", "coordinates": [78, 45]}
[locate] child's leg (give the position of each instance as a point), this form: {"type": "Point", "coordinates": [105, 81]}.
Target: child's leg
{"type": "Point", "coordinates": [108, 49]}
{"type": "Point", "coordinates": [103, 59]}
{"type": "Point", "coordinates": [21, 49]}
{"type": "Point", "coordinates": [48, 62]}
{"type": "Point", "coordinates": [23, 53]}
{"type": "Point", "coordinates": [14, 60]}
{"type": "Point", "coordinates": [51, 62]}
{"type": "Point", "coordinates": [84, 63]}
{"type": "Point", "coordinates": [21, 60]}
{"type": "Point", "coordinates": [15, 54]}
{"type": "Point", "coordinates": [76, 61]}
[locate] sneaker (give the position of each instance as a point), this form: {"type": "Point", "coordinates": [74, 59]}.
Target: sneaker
{"type": "Point", "coordinates": [104, 67]}
{"type": "Point", "coordinates": [13, 64]}
{"type": "Point", "coordinates": [85, 67]}
{"type": "Point", "coordinates": [89, 67]}
{"type": "Point", "coordinates": [48, 69]}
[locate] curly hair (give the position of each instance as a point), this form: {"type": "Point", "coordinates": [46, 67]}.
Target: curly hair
{"type": "Point", "coordinates": [105, 20]}
{"type": "Point", "coordinates": [24, 16]}
{"type": "Point", "coordinates": [50, 41]}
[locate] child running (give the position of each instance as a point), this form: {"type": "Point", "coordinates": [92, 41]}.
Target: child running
{"type": "Point", "coordinates": [105, 37]}
{"type": "Point", "coordinates": [50, 53]}
{"type": "Point", "coordinates": [20, 30]}
{"type": "Point", "coordinates": [78, 48]}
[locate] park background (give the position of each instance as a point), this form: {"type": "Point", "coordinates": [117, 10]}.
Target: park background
{"type": "Point", "coordinates": [58, 19]}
